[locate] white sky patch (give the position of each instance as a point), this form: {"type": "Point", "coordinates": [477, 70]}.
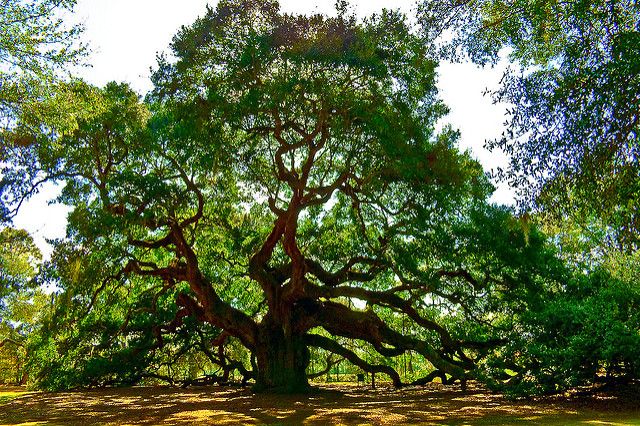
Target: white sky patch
{"type": "Point", "coordinates": [42, 220]}
{"type": "Point", "coordinates": [462, 87]}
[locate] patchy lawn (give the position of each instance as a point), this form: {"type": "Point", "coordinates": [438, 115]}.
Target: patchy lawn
{"type": "Point", "coordinates": [13, 392]}
{"type": "Point", "coordinates": [331, 404]}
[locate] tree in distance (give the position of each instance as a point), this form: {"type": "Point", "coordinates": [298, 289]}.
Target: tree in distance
{"type": "Point", "coordinates": [20, 301]}
{"type": "Point", "coordinates": [36, 47]}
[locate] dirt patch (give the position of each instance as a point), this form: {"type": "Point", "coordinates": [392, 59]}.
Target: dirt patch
{"type": "Point", "coordinates": [330, 404]}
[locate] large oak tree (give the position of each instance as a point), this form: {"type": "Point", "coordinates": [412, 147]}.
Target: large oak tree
{"type": "Point", "coordinates": [286, 179]}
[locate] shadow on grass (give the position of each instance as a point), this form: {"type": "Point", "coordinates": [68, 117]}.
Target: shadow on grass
{"type": "Point", "coordinates": [342, 404]}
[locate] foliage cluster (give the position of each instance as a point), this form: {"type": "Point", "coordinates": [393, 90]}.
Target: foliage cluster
{"type": "Point", "coordinates": [36, 47]}
{"type": "Point", "coordinates": [572, 133]}
{"type": "Point", "coordinates": [20, 301]}
{"type": "Point", "coordinates": [282, 204]}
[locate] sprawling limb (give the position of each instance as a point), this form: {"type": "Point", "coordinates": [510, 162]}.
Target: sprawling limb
{"type": "Point", "coordinates": [339, 320]}
{"type": "Point", "coordinates": [330, 364]}
{"type": "Point", "coordinates": [388, 299]}
{"type": "Point", "coordinates": [347, 272]}
{"type": "Point", "coordinates": [208, 306]}
{"type": "Point", "coordinates": [333, 287]}
{"type": "Point", "coordinates": [430, 377]}
{"type": "Point", "coordinates": [332, 346]}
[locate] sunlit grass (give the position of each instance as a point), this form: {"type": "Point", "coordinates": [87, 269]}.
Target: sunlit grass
{"type": "Point", "coordinates": [27, 424]}
{"type": "Point", "coordinates": [217, 417]}
{"type": "Point", "coordinates": [334, 404]}
{"type": "Point", "coordinates": [8, 394]}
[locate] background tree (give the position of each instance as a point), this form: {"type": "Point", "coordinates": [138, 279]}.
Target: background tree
{"type": "Point", "coordinates": [586, 333]}
{"type": "Point", "coordinates": [572, 138]}
{"type": "Point", "coordinates": [573, 129]}
{"type": "Point", "coordinates": [35, 45]}
{"type": "Point", "coordinates": [35, 39]}
{"type": "Point", "coordinates": [36, 49]}
{"type": "Point", "coordinates": [20, 301]}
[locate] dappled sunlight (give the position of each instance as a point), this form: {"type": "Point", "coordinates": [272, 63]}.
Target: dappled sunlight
{"type": "Point", "coordinates": [327, 404]}
{"type": "Point", "coordinates": [11, 392]}
{"type": "Point", "coordinates": [217, 417]}
{"type": "Point", "coordinates": [29, 424]}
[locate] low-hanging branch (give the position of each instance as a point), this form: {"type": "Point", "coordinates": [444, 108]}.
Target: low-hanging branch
{"type": "Point", "coordinates": [334, 347]}
{"type": "Point", "coordinates": [339, 320]}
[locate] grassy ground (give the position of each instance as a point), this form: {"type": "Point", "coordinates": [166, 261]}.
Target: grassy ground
{"type": "Point", "coordinates": [335, 404]}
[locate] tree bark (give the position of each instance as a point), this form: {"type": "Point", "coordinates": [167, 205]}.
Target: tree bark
{"type": "Point", "coordinates": [282, 362]}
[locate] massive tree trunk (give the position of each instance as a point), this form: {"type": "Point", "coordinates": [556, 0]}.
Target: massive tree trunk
{"type": "Point", "coordinates": [282, 361]}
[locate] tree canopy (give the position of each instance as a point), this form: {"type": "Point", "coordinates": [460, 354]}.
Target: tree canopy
{"type": "Point", "coordinates": [286, 195]}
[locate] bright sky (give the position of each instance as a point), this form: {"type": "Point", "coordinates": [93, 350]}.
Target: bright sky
{"type": "Point", "coordinates": [126, 35]}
